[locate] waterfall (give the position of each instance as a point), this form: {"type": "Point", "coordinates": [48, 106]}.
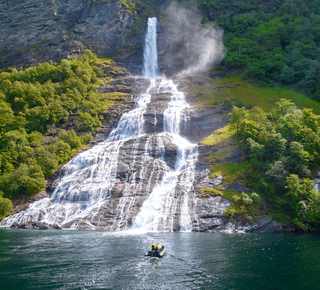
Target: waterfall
{"type": "Point", "coordinates": [150, 54]}
{"type": "Point", "coordinates": [156, 212]}
{"type": "Point", "coordinates": [138, 177]}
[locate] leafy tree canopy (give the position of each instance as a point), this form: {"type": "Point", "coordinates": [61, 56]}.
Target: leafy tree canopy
{"type": "Point", "coordinates": [282, 148]}
{"type": "Point", "coordinates": [272, 41]}
{"type": "Point", "coordinates": [33, 103]}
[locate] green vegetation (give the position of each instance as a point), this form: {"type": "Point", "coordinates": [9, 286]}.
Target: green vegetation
{"type": "Point", "coordinates": [272, 46]}
{"type": "Point", "coordinates": [275, 48]}
{"type": "Point", "coordinates": [5, 206]}
{"type": "Point", "coordinates": [36, 104]}
{"type": "Point", "coordinates": [223, 142]}
{"type": "Point", "coordinates": [244, 205]}
{"type": "Point", "coordinates": [145, 9]}
{"type": "Point", "coordinates": [233, 173]}
{"type": "Point", "coordinates": [223, 136]}
{"type": "Point", "coordinates": [235, 90]}
{"type": "Point", "coordinates": [212, 191]}
{"type": "Point", "coordinates": [128, 4]}
{"type": "Point", "coordinates": [282, 150]}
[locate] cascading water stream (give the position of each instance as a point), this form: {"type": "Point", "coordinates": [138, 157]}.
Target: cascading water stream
{"type": "Point", "coordinates": [150, 55]}
{"type": "Point", "coordinates": [156, 212]}
{"type": "Point", "coordinates": [109, 180]}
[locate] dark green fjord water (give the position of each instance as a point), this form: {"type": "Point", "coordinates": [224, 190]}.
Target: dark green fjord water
{"type": "Point", "coordinates": [100, 260]}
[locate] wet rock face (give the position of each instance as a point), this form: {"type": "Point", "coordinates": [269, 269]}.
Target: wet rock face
{"type": "Point", "coordinates": [140, 165]}
{"type": "Point", "coordinates": [21, 205]}
{"type": "Point", "coordinates": [138, 171]}
{"type": "Point", "coordinates": [154, 119]}
{"type": "Point", "coordinates": [209, 214]}
{"type": "Point", "coordinates": [202, 122]}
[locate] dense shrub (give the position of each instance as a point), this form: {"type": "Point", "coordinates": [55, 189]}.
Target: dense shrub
{"type": "Point", "coordinates": [33, 102]}
{"type": "Point", "coordinates": [283, 150]}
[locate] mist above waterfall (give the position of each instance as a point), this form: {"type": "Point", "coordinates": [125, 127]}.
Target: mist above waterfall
{"type": "Point", "coordinates": [194, 47]}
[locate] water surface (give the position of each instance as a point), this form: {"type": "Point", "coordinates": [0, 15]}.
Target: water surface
{"type": "Point", "coordinates": [100, 260]}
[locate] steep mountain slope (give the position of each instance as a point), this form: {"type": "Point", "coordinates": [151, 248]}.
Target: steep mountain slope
{"type": "Point", "coordinates": [34, 31]}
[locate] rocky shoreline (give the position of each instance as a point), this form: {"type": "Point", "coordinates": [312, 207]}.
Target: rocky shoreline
{"type": "Point", "coordinates": [35, 226]}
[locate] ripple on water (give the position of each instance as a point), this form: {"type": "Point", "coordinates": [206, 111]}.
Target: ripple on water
{"type": "Point", "coordinates": [99, 260]}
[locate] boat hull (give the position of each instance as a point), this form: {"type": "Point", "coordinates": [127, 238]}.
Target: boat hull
{"type": "Point", "coordinates": [156, 253]}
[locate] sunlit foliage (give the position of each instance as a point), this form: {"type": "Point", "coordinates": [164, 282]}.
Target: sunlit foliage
{"type": "Point", "coordinates": [33, 103]}
{"type": "Point", "coordinates": [283, 152]}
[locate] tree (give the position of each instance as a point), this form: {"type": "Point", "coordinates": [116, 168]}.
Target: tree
{"type": "Point", "coordinates": [275, 146]}
{"type": "Point", "coordinates": [6, 116]}
{"type": "Point", "coordinates": [61, 151]}
{"type": "Point", "coordinates": [282, 154]}
{"type": "Point", "coordinates": [256, 152]}
{"type": "Point", "coordinates": [72, 139]}
{"type": "Point", "coordinates": [87, 122]}
{"type": "Point", "coordinates": [5, 206]}
{"type": "Point", "coordinates": [298, 159]}
{"type": "Point", "coordinates": [299, 192]}
{"type": "Point", "coordinates": [237, 116]}
{"type": "Point", "coordinates": [25, 180]}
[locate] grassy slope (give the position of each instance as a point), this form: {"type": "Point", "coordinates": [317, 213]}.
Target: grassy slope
{"type": "Point", "coordinates": [235, 89]}
{"type": "Point", "coordinates": [223, 143]}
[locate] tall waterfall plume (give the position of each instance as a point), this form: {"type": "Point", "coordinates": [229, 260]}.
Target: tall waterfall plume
{"type": "Point", "coordinates": [150, 54]}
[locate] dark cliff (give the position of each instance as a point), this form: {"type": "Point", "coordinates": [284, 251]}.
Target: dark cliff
{"type": "Point", "coordinates": [34, 31]}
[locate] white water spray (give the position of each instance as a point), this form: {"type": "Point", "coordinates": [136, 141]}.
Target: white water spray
{"type": "Point", "coordinates": [156, 212]}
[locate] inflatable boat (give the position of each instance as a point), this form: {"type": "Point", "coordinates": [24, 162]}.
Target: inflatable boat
{"type": "Point", "coordinates": [156, 253]}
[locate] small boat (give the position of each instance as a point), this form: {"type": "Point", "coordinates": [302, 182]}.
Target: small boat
{"type": "Point", "coordinates": [156, 253]}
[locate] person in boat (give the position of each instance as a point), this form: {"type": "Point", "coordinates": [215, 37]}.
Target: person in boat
{"type": "Point", "coordinates": [154, 246]}
{"type": "Point", "coordinates": [156, 250]}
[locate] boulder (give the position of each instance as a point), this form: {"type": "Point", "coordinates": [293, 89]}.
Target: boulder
{"type": "Point", "coordinates": [23, 226]}
{"type": "Point", "coordinates": [56, 227]}
{"type": "Point", "coordinates": [43, 226]}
